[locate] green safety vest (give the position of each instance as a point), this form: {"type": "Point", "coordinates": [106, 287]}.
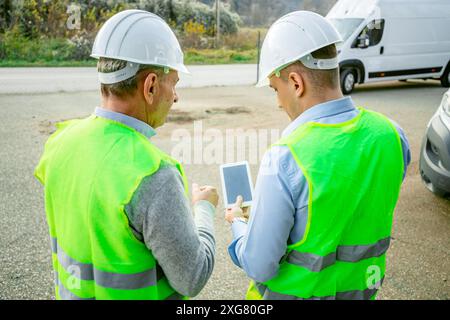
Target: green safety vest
{"type": "Point", "coordinates": [90, 169]}
{"type": "Point", "coordinates": [354, 172]}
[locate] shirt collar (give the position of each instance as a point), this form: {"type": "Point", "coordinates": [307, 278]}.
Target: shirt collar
{"type": "Point", "coordinates": [323, 110]}
{"type": "Point", "coordinates": [131, 122]}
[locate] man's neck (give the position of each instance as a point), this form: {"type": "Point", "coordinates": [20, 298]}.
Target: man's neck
{"type": "Point", "coordinates": [123, 106]}
{"type": "Point", "coordinates": [316, 100]}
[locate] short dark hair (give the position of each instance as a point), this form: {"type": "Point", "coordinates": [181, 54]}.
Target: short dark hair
{"type": "Point", "coordinates": [323, 78]}
{"type": "Point", "coordinates": [126, 87]}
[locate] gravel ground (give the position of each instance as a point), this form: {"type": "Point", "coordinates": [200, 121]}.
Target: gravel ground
{"type": "Point", "coordinates": [419, 258]}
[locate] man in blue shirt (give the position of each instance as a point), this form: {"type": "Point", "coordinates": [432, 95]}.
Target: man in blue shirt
{"type": "Point", "coordinates": [279, 213]}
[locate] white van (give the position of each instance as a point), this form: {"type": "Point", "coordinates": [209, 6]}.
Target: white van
{"type": "Point", "coordinates": [387, 40]}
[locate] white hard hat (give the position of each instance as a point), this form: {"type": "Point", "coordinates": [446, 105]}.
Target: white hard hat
{"type": "Point", "coordinates": [293, 38]}
{"type": "Point", "coordinates": [139, 37]}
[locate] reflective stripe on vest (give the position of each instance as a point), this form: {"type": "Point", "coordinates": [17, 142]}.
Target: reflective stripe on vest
{"type": "Point", "coordinates": [66, 294]}
{"type": "Point", "coordinates": [316, 263]}
{"type": "Point", "coordinates": [107, 279]}
{"type": "Point", "coordinates": [267, 294]}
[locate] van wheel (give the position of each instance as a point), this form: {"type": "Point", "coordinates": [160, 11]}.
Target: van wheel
{"type": "Point", "coordinates": [445, 80]}
{"type": "Point", "coordinates": [348, 81]}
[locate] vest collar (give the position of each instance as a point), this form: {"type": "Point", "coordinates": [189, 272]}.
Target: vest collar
{"type": "Point", "coordinates": [323, 110]}
{"type": "Point", "coordinates": [131, 122]}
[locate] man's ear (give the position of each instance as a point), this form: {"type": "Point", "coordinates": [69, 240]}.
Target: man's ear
{"type": "Point", "coordinates": [151, 87]}
{"type": "Point", "coordinates": [296, 79]}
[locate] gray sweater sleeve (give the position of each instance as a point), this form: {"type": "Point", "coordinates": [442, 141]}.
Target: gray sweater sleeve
{"type": "Point", "coordinates": [160, 216]}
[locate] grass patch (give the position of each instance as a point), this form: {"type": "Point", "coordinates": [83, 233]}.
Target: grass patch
{"type": "Point", "coordinates": [220, 56]}
{"type": "Point", "coordinates": [192, 57]}
{"type": "Point", "coordinates": [48, 63]}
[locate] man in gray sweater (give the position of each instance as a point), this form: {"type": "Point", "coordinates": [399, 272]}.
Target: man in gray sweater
{"type": "Point", "coordinates": [160, 251]}
{"type": "Point", "coordinates": [160, 216]}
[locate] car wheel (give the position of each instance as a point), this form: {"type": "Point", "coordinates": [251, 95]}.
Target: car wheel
{"type": "Point", "coordinates": [445, 80]}
{"type": "Point", "coordinates": [348, 81]}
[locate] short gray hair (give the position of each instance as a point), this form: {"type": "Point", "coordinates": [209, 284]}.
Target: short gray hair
{"type": "Point", "coordinates": [126, 87]}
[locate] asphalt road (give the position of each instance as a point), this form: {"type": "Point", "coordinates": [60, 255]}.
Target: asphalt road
{"type": "Point", "coordinates": [418, 260]}
{"type": "Point", "coordinates": [58, 80]}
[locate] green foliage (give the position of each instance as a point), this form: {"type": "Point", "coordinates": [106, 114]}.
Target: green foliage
{"type": "Point", "coordinates": [40, 17]}
{"type": "Point", "coordinates": [36, 18]}
{"type": "Point", "coordinates": [180, 12]}
{"type": "Point", "coordinates": [5, 14]}
{"type": "Point", "coordinates": [37, 31]}
{"type": "Point", "coordinates": [15, 46]}
{"type": "Point", "coordinates": [245, 39]}
{"type": "Point", "coordinates": [81, 45]}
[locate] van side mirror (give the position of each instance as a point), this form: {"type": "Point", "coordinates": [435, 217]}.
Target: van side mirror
{"type": "Point", "coordinates": [363, 42]}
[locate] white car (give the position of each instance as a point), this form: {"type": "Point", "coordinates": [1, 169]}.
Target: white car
{"type": "Point", "coordinates": [435, 153]}
{"type": "Point", "coordinates": [385, 40]}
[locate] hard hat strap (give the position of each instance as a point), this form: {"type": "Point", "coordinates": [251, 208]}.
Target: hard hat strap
{"type": "Point", "coordinates": [121, 75]}
{"type": "Point", "coordinates": [312, 63]}
{"type": "Point", "coordinates": [319, 64]}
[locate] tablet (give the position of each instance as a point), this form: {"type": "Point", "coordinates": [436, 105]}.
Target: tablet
{"type": "Point", "coordinates": [236, 181]}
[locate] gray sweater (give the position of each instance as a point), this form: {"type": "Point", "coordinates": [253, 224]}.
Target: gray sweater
{"type": "Point", "coordinates": [160, 216]}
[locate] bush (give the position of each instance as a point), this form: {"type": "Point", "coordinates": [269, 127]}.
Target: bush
{"type": "Point", "coordinates": [35, 18]}
{"type": "Point", "coordinates": [194, 35]}
{"type": "Point", "coordinates": [15, 46]}
{"type": "Point", "coordinates": [5, 15]}
{"type": "Point", "coordinates": [245, 39]}
{"type": "Point", "coordinates": [81, 45]}
{"type": "Point", "coordinates": [2, 48]}
{"type": "Point", "coordinates": [43, 17]}
{"type": "Point", "coordinates": [180, 12]}
{"type": "Point", "coordinates": [222, 56]}
{"type": "Point", "coordinates": [39, 17]}
{"type": "Point", "coordinates": [37, 30]}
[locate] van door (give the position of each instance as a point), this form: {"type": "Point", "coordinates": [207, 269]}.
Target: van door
{"type": "Point", "coordinates": [368, 47]}
{"type": "Point", "coordinates": [412, 48]}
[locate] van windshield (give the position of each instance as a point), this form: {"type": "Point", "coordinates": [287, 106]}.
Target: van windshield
{"type": "Point", "coordinates": [346, 27]}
